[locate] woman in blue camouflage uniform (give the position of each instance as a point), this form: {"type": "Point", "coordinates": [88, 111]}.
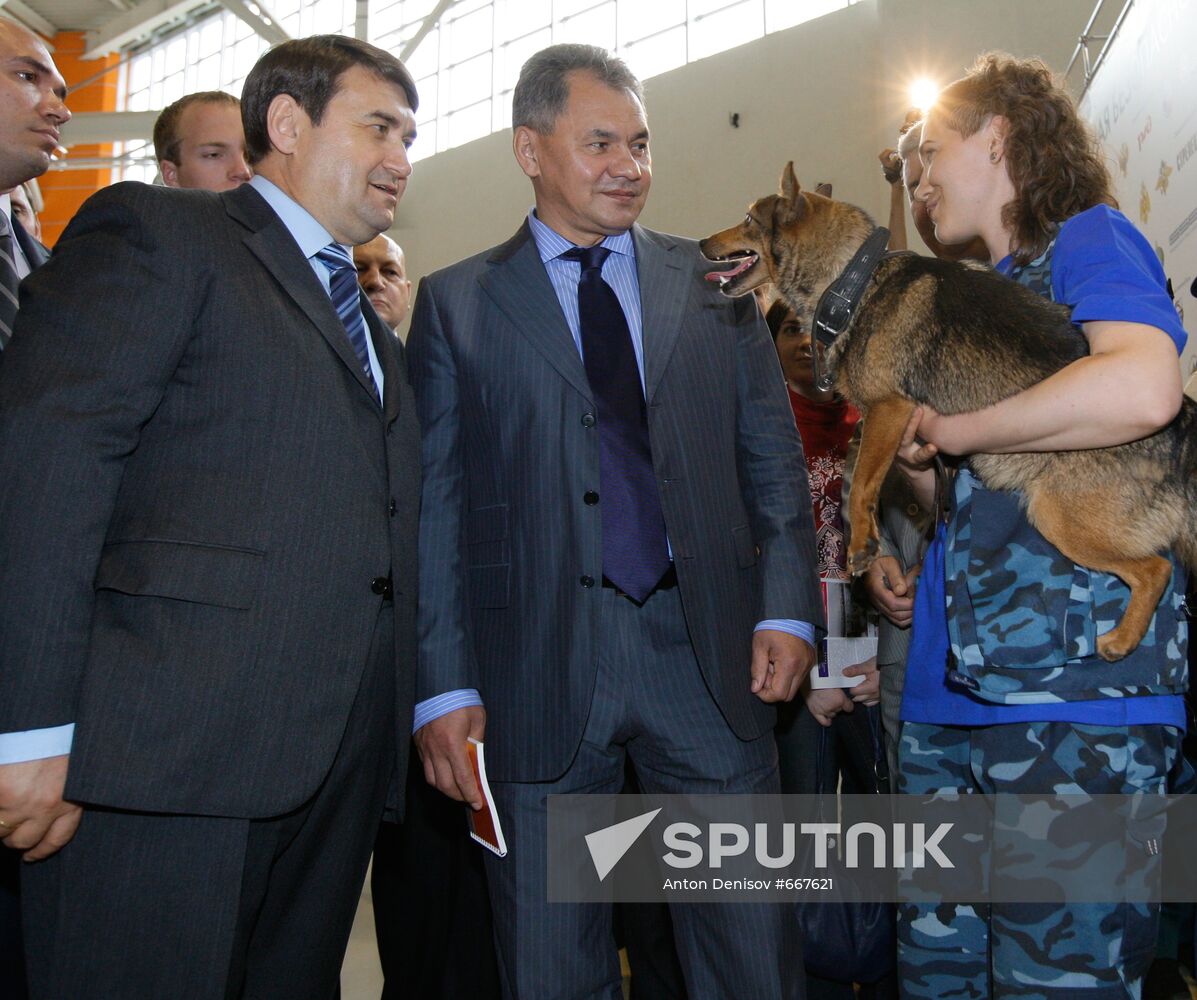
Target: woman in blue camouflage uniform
{"type": "Point", "coordinates": [1004, 690]}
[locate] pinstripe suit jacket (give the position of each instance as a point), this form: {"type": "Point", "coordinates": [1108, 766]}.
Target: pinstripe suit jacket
{"type": "Point", "coordinates": [196, 492]}
{"type": "Point", "coordinates": [511, 555]}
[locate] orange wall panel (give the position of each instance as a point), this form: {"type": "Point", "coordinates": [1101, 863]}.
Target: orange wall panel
{"type": "Point", "coordinates": [65, 190]}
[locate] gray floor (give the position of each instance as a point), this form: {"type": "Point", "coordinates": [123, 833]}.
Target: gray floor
{"type": "Point", "coordinates": [361, 975]}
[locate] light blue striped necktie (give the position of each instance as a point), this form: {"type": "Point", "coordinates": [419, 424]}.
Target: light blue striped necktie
{"type": "Point", "coordinates": [343, 290]}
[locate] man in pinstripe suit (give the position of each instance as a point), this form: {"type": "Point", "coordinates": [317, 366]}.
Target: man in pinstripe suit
{"type": "Point", "coordinates": [532, 631]}
{"type": "Point", "coordinates": [209, 491]}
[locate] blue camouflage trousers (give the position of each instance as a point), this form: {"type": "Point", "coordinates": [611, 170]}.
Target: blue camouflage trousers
{"type": "Point", "coordinates": [1030, 950]}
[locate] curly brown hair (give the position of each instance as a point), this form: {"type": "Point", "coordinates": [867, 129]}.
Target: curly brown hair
{"type": "Point", "coordinates": [1054, 160]}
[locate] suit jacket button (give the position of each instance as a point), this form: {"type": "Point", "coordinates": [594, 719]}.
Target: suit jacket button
{"type": "Point", "coordinates": [392, 508]}
{"type": "Point", "coordinates": [590, 498]}
{"type": "Point", "coordinates": [587, 582]}
{"type": "Point", "coordinates": [587, 419]}
{"type": "Point", "coordinates": [381, 585]}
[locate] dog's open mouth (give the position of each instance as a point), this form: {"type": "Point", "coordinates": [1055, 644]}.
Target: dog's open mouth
{"type": "Point", "coordinates": [744, 260]}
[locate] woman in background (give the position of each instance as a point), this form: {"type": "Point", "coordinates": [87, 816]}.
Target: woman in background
{"type": "Point", "coordinates": [844, 723]}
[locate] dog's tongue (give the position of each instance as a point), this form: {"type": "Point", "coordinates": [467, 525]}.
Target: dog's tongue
{"type": "Point", "coordinates": [740, 268]}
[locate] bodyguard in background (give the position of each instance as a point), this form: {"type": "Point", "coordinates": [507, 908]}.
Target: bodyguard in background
{"type": "Point", "coordinates": [32, 108]}
{"type": "Point", "coordinates": [200, 143]}
{"type": "Point", "coordinates": [614, 499]}
{"type": "Point", "coordinates": [209, 487]}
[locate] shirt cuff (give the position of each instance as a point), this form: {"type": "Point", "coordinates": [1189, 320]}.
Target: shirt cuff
{"type": "Point", "coordinates": [36, 744]}
{"type": "Point", "coordinates": [442, 704]}
{"type": "Point", "coordinates": [803, 630]}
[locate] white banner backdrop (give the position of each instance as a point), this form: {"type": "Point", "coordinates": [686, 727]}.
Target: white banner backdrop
{"type": "Point", "coordinates": [1143, 104]}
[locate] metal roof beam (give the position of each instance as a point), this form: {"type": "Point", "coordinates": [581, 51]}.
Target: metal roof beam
{"type": "Point", "coordinates": [135, 24]}
{"type": "Point", "coordinates": [29, 17]}
{"type": "Point", "coordinates": [257, 16]}
{"type": "Point", "coordinates": [430, 22]}
{"type": "Point", "coordinates": [87, 128]}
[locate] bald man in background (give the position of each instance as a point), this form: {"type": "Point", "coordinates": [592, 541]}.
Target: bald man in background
{"type": "Point", "coordinates": [382, 273]}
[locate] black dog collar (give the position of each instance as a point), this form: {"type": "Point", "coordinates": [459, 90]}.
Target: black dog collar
{"type": "Point", "coordinates": [833, 314]}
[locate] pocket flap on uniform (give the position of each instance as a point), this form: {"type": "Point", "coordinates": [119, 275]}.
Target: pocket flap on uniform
{"type": "Point", "coordinates": [183, 571]}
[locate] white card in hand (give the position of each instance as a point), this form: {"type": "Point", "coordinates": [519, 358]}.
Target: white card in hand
{"type": "Point", "coordinates": [837, 653]}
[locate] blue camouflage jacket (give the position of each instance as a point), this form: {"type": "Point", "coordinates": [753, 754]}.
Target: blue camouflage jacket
{"type": "Point", "coordinates": [1023, 619]}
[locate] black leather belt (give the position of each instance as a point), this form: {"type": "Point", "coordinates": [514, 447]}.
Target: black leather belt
{"type": "Point", "coordinates": [667, 582]}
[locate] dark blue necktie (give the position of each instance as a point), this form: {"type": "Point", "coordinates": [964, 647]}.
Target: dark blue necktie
{"type": "Point", "coordinates": [8, 280]}
{"type": "Point", "coordinates": [635, 553]}
{"type": "Point", "coordinates": [343, 290]}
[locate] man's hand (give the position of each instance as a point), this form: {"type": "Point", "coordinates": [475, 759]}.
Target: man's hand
{"type": "Point", "coordinates": [780, 663]}
{"type": "Point", "coordinates": [826, 703]}
{"type": "Point", "coordinates": [35, 817]}
{"type": "Point", "coordinates": [868, 691]}
{"type": "Point", "coordinates": [891, 165]}
{"type": "Point", "coordinates": [442, 748]}
{"type": "Point", "coordinates": [891, 590]}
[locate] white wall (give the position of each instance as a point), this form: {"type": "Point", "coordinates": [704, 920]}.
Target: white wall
{"type": "Point", "coordinates": [828, 94]}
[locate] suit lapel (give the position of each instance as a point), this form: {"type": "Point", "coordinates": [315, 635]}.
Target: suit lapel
{"type": "Point", "coordinates": [273, 245]}
{"type": "Point", "coordinates": [664, 294]}
{"type": "Point", "coordinates": [519, 285]}
{"type": "Point", "coordinates": [35, 253]}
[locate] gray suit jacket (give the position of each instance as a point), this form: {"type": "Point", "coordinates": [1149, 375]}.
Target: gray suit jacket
{"type": "Point", "coordinates": [197, 490]}
{"type": "Point", "coordinates": [511, 555]}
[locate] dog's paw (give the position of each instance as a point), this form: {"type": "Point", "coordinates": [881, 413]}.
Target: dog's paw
{"type": "Point", "coordinates": [861, 557]}
{"type": "Point", "coordinates": [1113, 646]}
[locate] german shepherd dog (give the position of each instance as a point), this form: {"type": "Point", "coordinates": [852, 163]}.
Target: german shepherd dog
{"type": "Point", "coordinates": [960, 338]}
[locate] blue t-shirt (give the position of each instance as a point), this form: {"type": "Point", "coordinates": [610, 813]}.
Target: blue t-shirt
{"type": "Point", "coordinates": [1103, 269]}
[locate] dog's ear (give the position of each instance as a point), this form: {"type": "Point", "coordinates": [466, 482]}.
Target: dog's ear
{"type": "Point", "coordinates": [790, 188]}
{"type": "Point", "coordinates": [824, 189]}
{"type": "Point", "coordinates": [791, 203]}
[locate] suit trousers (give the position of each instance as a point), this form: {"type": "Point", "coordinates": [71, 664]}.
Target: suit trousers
{"type": "Point", "coordinates": [142, 905]}
{"type": "Point", "coordinates": [428, 886]}
{"type": "Point", "coordinates": [650, 703]}
{"type": "Point", "coordinates": [12, 955]}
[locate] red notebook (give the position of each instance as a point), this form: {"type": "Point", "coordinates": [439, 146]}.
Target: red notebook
{"type": "Point", "coordinates": [484, 823]}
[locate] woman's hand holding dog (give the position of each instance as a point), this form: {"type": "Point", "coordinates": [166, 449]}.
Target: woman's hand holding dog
{"type": "Point", "coordinates": [1130, 363]}
{"type": "Point", "coordinates": [915, 458]}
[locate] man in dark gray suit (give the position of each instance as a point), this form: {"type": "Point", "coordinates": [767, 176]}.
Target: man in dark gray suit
{"type": "Point", "coordinates": [209, 488]}
{"type": "Point", "coordinates": [32, 96]}
{"type": "Point", "coordinates": [614, 499]}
